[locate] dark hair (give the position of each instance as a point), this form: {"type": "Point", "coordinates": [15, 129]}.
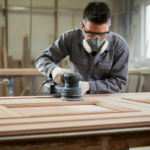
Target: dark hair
{"type": "Point", "coordinates": [97, 12]}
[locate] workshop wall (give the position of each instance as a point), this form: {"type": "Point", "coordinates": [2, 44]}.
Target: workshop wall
{"type": "Point", "coordinates": [42, 24]}
{"type": "Point", "coordinates": [130, 20]}
{"type": "Point", "coordinates": [19, 27]}
{"type": "Point", "coordinates": [43, 33]}
{"type": "Point", "coordinates": [129, 24]}
{"type": "Point", "coordinates": [136, 28]}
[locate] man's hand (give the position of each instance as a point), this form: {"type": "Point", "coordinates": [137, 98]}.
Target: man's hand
{"type": "Point", "coordinates": [84, 86]}
{"type": "Point", "coordinates": [57, 75]}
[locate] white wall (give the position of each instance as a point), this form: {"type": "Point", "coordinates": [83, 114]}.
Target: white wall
{"type": "Point", "coordinates": [136, 27]}
{"type": "Point", "coordinates": [19, 26]}
{"type": "Point", "coordinates": [42, 24]}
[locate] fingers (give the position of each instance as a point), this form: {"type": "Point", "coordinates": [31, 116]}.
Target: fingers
{"type": "Point", "coordinates": [59, 79]}
{"type": "Point", "coordinates": [57, 75]}
{"type": "Point", "coordinates": [84, 87]}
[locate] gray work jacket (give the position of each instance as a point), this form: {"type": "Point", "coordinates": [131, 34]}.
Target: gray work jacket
{"type": "Point", "coordinates": [106, 72]}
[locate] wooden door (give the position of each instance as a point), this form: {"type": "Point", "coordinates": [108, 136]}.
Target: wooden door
{"type": "Point", "coordinates": [27, 115]}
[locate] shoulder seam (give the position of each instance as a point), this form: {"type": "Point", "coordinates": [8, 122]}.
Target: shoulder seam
{"type": "Point", "coordinates": [122, 40]}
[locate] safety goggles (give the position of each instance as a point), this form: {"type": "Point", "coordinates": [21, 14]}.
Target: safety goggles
{"type": "Point", "coordinates": [92, 35]}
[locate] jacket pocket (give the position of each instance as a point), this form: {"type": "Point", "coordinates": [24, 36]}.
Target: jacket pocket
{"type": "Point", "coordinates": [104, 66]}
{"type": "Point", "coordinates": [78, 59]}
{"type": "Point", "coordinates": [102, 71]}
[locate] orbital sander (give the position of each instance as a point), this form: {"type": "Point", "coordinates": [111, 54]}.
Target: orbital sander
{"type": "Point", "coordinates": [70, 91]}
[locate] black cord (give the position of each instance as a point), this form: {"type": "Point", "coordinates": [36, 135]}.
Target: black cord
{"type": "Point", "coordinates": [47, 80]}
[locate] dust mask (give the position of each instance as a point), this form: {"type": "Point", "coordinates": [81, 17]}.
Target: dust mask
{"type": "Point", "coordinates": [95, 45]}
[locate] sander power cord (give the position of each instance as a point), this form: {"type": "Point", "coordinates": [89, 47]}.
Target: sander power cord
{"type": "Point", "coordinates": [47, 80]}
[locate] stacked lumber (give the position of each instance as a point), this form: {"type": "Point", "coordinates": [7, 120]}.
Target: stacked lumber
{"type": "Point", "coordinates": [20, 83]}
{"type": "Point", "coordinates": [26, 64]}
{"type": "Point", "coordinates": [3, 60]}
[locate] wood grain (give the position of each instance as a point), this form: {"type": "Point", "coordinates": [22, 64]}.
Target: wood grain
{"type": "Point", "coordinates": [50, 115]}
{"type": "Point", "coordinates": [2, 44]}
{"type": "Point", "coordinates": [5, 112]}
{"type": "Point", "coordinates": [113, 107]}
{"type": "Point", "coordinates": [17, 81]}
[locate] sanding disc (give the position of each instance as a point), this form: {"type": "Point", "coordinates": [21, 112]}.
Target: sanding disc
{"type": "Point", "coordinates": [72, 99]}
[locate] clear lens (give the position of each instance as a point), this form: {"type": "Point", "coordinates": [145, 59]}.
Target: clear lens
{"type": "Point", "coordinates": [92, 36]}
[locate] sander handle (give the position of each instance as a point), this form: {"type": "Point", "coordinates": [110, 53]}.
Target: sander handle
{"type": "Point", "coordinates": [47, 80]}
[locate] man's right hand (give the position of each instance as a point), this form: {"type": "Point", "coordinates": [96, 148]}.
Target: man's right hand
{"type": "Point", "coordinates": [57, 75]}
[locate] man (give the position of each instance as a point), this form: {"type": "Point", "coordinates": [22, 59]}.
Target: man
{"type": "Point", "coordinates": [100, 56]}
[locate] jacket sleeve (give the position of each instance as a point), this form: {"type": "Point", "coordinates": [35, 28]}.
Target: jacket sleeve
{"type": "Point", "coordinates": [118, 74]}
{"type": "Point", "coordinates": [53, 55]}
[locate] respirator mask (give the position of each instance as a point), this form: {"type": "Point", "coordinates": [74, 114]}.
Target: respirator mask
{"type": "Point", "coordinates": [95, 45]}
{"type": "Point", "coordinates": [95, 42]}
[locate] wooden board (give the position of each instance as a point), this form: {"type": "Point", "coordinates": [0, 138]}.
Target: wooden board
{"type": "Point", "coordinates": [26, 53]}
{"type": "Point", "coordinates": [4, 59]}
{"type": "Point", "coordinates": [2, 44]}
{"type": "Point", "coordinates": [17, 80]}
{"type": "Point", "coordinates": [35, 72]}
{"type": "Point", "coordinates": [28, 115]}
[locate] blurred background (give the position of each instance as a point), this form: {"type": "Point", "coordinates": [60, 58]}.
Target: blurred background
{"type": "Point", "coordinates": [28, 27]}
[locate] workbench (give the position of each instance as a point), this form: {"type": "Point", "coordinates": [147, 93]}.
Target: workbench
{"type": "Point", "coordinates": [34, 72]}
{"type": "Point", "coordinates": [101, 122]}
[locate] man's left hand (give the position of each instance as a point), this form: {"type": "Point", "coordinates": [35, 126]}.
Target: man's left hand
{"type": "Point", "coordinates": [84, 86]}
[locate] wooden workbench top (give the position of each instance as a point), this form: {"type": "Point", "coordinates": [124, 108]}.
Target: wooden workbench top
{"type": "Point", "coordinates": [118, 110]}
{"type": "Point", "coordinates": [111, 117]}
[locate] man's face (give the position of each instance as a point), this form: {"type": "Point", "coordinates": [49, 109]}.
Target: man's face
{"type": "Point", "coordinates": [95, 28]}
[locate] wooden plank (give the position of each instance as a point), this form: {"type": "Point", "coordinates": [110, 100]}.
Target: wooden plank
{"type": "Point", "coordinates": [5, 58]}
{"type": "Point", "coordinates": [26, 104]}
{"type": "Point", "coordinates": [26, 64]}
{"type": "Point", "coordinates": [17, 81]}
{"type": "Point", "coordinates": [56, 127]}
{"type": "Point", "coordinates": [26, 53]}
{"type": "Point", "coordinates": [100, 96]}
{"type": "Point", "coordinates": [41, 103]}
{"type": "Point", "coordinates": [115, 22]}
{"type": "Point", "coordinates": [5, 66]}
{"type": "Point", "coordinates": [113, 107]}
{"type": "Point", "coordinates": [143, 101]}
{"type": "Point", "coordinates": [0, 71]}
{"type": "Point", "coordinates": [5, 112]}
{"type": "Point", "coordinates": [2, 44]}
{"type": "Point", "coordinates": [25, 87]}
{"type": "Point", "coordinates": [20, 113]}
{"type": "Point", "coordinates": [33, 71]}
{"type": "Point", "coordinates": [10, 62]}
{"type": "Point", "coordinates": [63, 110]}
{"type": "Point", "coordinates": [1, 62]}
{"type": "Point", "coordinates": [75, 117]}
{"type": "Point", "coordinates": [19, 72]}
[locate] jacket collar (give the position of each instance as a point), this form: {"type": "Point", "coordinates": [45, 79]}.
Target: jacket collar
{"type": "Point", "coordinates": [109, 38]}
{"type": "Point", "coordinates": [81, 37]}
